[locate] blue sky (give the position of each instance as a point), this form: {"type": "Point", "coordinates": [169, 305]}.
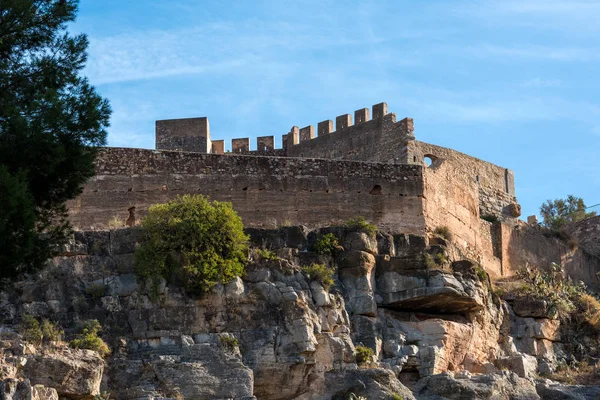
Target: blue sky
{"type": "Point", "coordinates": [514, 82]}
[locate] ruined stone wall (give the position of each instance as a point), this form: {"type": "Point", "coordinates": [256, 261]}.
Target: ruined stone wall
{"type": "Point", "coordinates": [380, 139]}
{"type": "Point", "coordinates": [495, 184]}
{"type": "Point", "coordinates": [459, 190]}
{"type": "Point", "coordinates": [266, 191]}
{"type": "Point", "coordinates": [524, 245]}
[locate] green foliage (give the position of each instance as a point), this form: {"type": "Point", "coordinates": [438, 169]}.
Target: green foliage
{"type": "Point", "coordinates": [265, 254]}
{"type": "Point", "coordinates": [51, 121]}
{"type": "Point", "coordinates": [320, 273]}
{"type": "Point", "coordinates": [364, 354]}
{"type": "Point", "coordinates": [481, 274]}
{"type": "Point", "coordinates": [30, 329]}
{"type": "Point", "coordinates": [559, 212]}
{"type": "Point", "coordinates": [490, 218]}
{"type": "Point", "coordinates": [436, 261]}
{"type": "Point", "coordinates": [89, 339]}
{"type": "Point", "coordinates": [18, 238]}
{"type": "Point", "coordinates": [328, 244]}
{"type": "Point", "coordinates": [444, 232]}
{"type": "Point", "coordinates": [567, 299]}
{"type": "Point", "coordinates": [96, 290]}
{"type": "Point", "coordinates": [228, 342]}
{"type": "Point", "coordinates": [440, 259]}
{"type": "Point", "coordinates": [360, 224]}
{"type": "Point", "coordinates": [37, 333]}
{"type": "Point", "coordinates": [192, 241]}
{"type": "Point", "coordinates": [51, 332]}
{"type": "Point", "coordinates": [396, 396]}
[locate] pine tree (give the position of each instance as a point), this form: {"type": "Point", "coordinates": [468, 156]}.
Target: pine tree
{"type": "Point", "coordinates": [51, 121]}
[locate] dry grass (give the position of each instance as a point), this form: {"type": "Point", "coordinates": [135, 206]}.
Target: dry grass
{"type": "Point", "coordinates": [577, 373]}
{"type": "Point", "coordinates": [591, 308]}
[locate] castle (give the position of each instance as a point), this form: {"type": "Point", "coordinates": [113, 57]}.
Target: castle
{"type": "Point", "coordinates": [373, 168]}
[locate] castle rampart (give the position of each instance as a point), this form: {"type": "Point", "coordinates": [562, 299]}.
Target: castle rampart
{"type": "Point", "coordinates": [266, 191]}
{"type": "Point", "coordinates": [373, 168]}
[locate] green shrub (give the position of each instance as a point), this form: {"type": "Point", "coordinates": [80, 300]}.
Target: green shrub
{"type": "Point", "coordinates": [320, 273]}
{"type": "Point", "coordinates": [436, 261]}
{"type": "Point", "coordinates": [89, 339]}
{"type": "Point", "coordinates": [265, 254]}
{"type": "Point", "coordinates": [360, 224]}
{"type": "Point", "coordinates": [364, 354]}
{"type": "Point", "coordinates": [444, 232]}
{"type": "Point", "coordinates": [30, 329]}
{"type": "Point", "coordinates": [328, 244]}
{"type": "Point", "coordinates": [36, 333]}
{"type": "Point", "coordinates": [481, 274]}
{"type": "Point", "coordinates": [192, 241]}
{"type": "Point", "coordinates": [440, 259]}
{"type": "Point", "coordinates": [563, 295]}
{"type": "Point", "coordinates": [396, 396]}
{"type": "Point", "coordinates": [228, 342]}
{"type": "Point", "coordinates": [51, 332]}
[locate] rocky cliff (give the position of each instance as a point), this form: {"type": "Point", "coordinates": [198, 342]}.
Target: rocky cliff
{"type": "Point", "coordinates": [431, 318]}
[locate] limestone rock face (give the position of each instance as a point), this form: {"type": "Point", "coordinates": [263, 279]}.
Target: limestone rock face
{"type": "Point", "coordinates": [435, 328]}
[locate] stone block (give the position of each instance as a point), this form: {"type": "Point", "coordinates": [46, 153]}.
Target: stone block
{"type": "Point", "coordinates": [293, 137]}
{"type": "Point", "coordinates": [218, 147]}
{"type": "Point", "coordinates": [240, 145]}
{"type": "Point", "coordinates": [379, 110]}
{"type": "Point", "coordinates": [343, 121]}
{"type": "Point", "coordinates": [325, 127]}
{"type": "Point", "coordinates": [307, 133]}
{"type": "Point", "coordinates": [265, 143]}
{"type": "Point", "coordinates": [361, 115]}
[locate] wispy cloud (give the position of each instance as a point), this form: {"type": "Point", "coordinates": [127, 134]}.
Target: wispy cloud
{"type": "Point", "coordinates": [569, 17]}
{"type": "Point", "coordinates": [539, 82]}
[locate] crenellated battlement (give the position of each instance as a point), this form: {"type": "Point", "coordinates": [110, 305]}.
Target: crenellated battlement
{"type": "Point", "coordinates": [342, 122]}
{"type": "Point", "coordinates": [193, 134]}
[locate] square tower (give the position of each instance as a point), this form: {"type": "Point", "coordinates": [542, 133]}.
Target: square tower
{"type": "Point", "coordinates": [185, 134]}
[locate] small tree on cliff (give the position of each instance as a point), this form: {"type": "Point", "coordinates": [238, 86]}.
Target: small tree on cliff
{"type": "Point", "coordinates": [192, 241]}
{"type": "Point", "coordinates": [559, 212]}
{"type": "Point", "coordinates": [50, 121]}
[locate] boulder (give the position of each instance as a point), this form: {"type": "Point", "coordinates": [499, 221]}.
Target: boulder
{"type": "Point", "coordinates": [503, 386]}
{"type": "Point", "coordinates": [532, 307]}
{"type": "Point", "coordinates": [12, 389]}
{"type": "Point", "coordinates": [73, 373]}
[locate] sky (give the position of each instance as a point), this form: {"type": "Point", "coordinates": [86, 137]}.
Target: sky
{"type": "Point", "coordinates": [513, 82]}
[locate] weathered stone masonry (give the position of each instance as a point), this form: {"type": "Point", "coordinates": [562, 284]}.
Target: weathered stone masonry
{"type": "Point", "coordinates": [373, 168]}
{"type": "Point", "coordinates": [266, 191]}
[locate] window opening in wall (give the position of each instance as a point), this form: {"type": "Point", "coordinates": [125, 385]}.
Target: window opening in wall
{"type": "Point", "coordinates": [429, 159]}
{"type": "Point", "coordinates": [376, 191]}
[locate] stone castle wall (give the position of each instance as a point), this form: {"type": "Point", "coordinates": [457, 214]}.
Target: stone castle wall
{"type": "Point", "coordinates": [373, 168]}
{"type": "Point", "coordinates": [265, 191]}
